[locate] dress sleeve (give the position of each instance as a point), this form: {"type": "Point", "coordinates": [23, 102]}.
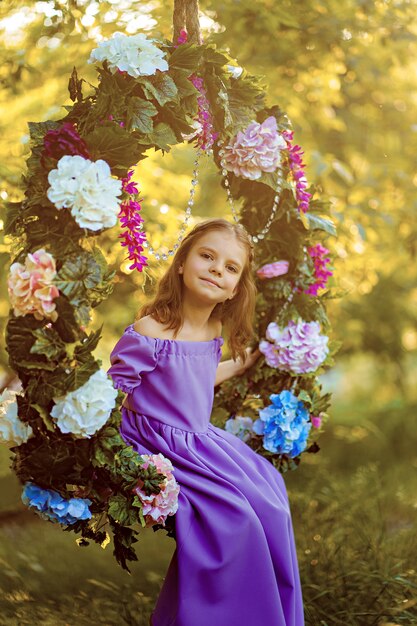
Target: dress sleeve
{"type": "Point", "coordinates": [132, 355]}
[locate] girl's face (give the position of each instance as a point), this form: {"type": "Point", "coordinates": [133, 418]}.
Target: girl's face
{"type": "Point", "coordinates": [214, 266]}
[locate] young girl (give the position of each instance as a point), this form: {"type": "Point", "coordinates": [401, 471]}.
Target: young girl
{"type": "Point", "coordinates": [235, 560]}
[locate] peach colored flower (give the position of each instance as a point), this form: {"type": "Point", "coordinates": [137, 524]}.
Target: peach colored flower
{"type": "Point", "coordinates": [271, 270]}
{"type": "Point", "coordinates": [30, 286]}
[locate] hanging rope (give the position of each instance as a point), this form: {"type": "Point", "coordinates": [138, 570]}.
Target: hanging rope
{"type": "Point", "coordinates": [185, 17]}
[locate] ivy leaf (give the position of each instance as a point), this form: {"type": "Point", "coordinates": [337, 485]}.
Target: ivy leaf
{"type": "Point", "coordinates": [36, 365]}
{"type": "Point", "coordinates": [161, 87]}
{"type": "Point", "coordinates": [211, 55]}
{"type": "Point", "coordinates": [46, 418]}
{"type": "Point", "coordinates": [139, 115]}
{"type": "Point", "coordinates": [163, 136]}
{"type": "Point", "coordinates": [184, 85]}
{"type": "Point", "coordinates": [48, 342]}
{"type": "Point", "coordinates": [38, 130]}
{"type": "Point", "coordinates": [13, 212]}
{"type": "Point", "coordinates": [175, 120]}
{"type": "Point", "coordinates": [66, 324]}
{"type": "Point", "coordinates": [83, 352]}
{"type": "Point", "coordinates": [82, 313]}
{"type": "Point", "coordinates": [20, 339]}
{"type": "Point", "coordinates": [80, 375]}
{"type": "Point", "coordinates": [119, 509]}
{"type": "Point", "coordinates": [79, 273]}
{"type": "Point", "coordinates": [321, 223]}
{"type": "Point", "coordinates": [113, 144]}
{"type": "Point", "coordinates": [123, 538]}
{"type": "Point", "coordinates": [186, 57]}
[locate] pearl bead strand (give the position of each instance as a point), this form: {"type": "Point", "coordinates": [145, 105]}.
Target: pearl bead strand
{"type": "Point", "coordinates": [261, 235]}
{"type": "Point", "coordinates": [188, 211]}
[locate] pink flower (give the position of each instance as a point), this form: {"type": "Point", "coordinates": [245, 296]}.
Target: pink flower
{"type": "Point", "coordinates": [316, 421]}
{"type": "Point", "coordinates": [298, 347]}
{"type": "Point", "coordinates": [321, 273]}
{"type": "Point", "coordinates": [295, 161]}
{"type": "Point", "coordinates": [255, 150]}
{"type": "Point", "coordinates": [133, 236]}
{"type": "Point", "coordinates": [157, 507]}
{"type": "Point", "coordinates": [271, 270]}
{"type": "Point", "coordinates": [30, 286]}
{"type": "Point", "coordinates": [206, 135]}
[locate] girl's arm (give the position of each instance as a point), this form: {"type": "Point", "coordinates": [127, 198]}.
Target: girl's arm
{"type": "Point", "coordinates": [228, 369]}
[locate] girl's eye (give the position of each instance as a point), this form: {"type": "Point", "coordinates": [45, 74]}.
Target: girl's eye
{"type": "Point", "coordinates": [233, 268]}
{"type": "Point", "coordinates": [205, 254]}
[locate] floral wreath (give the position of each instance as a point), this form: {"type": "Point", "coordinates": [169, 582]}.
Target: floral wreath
{"type": "Point", "coordinates": [67, 451]}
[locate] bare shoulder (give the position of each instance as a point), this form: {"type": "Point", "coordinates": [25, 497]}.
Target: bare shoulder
{"type": "Point", "coordinates": [149, 326]}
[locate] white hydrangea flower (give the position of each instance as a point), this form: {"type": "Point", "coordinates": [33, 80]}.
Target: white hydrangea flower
{"type": "Point", "coordinates": [12, 430]}
{"type": "Point", "coordinates": [88, 189]}
{"type": "Point", "coordinates": [84, 411]}
{"type": "Point", "coordinates": [135, 54]}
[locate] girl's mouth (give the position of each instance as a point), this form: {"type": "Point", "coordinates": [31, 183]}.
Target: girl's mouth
{"type": "Point", "coordinates": [206, 280]}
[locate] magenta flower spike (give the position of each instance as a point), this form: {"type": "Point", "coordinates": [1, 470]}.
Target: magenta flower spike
{"type": "Point", "coordinates": [133, 236]}
{"type": "Point", "coordinates": [295, 161]}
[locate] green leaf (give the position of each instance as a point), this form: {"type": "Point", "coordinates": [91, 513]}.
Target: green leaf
{"type": "Point", "coordinates": [139, 115]}
{"type": "Point", "coordinates": [38, 130]}
{"type": "Point", "coordinates": [79, 273]}
{"type": "Point", "coordinates": [36, 365]}
{"type": "Point", "coordinates": [186, 57]}
{"type": "Point", "coordinates": [66, 324]}
{"type": "Point", "coordinates": [123, 538]}
{"type": "Point", "coordinates": [13, 212]}
{"type": "Point", "coordinates": [114, 145]}
{"type": "Point", "coordinates": [20, 339]}
{"type": "Point", "coordinates": [74, 86]}
{"type": "Point", "coordinates": [46, 418]}
{"type": "Point", "coordinates": [82, 313]}
{"type": "Point", "coordinates": [80, 375]}
{"type": "Point", "coordinates": [179, 125]}
{"type": "Point", "coordinates": [161, 87]}
{"type": "Point", "coordinates": [82, 352]}
{"type": "Point", "coordinates": [163, 136]}
{"type": "Point", "coordinates": [211, 55]}
{"type": "Point", "coordinates": [48, 342]}
{"type": "Point", "coordinates": [119, 509]}
{"type": "Point", "coordinates": [321, 223]}
{"type": "Point", "coordinates": [184, 85]}
{"type": "Point", "coordinates": [304, 397]}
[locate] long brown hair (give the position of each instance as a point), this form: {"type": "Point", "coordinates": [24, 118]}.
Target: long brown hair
{"type": "Point", "coordinates": [237, 314]}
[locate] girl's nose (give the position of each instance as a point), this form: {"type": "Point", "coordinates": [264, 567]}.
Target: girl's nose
{"type": "Point", "coordinates": [216, 267]}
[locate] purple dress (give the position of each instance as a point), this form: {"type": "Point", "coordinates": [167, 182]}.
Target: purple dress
{"type": "Point", "coordinates": [235, 560]}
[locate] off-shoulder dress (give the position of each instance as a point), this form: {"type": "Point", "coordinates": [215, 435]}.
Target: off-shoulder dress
{"type": "Point", "coordinates": [235, 560]}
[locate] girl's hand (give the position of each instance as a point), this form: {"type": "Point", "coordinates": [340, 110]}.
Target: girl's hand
{"type": "Point", "coordinates": [251, 358]}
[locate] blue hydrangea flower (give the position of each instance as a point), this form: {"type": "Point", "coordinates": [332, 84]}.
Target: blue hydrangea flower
{"type": "Point", "coordinates": [50, 505]}
{"type": "Point", "coordinates": [284, 424]}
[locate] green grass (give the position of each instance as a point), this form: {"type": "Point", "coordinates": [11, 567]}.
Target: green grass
{"type": "Point", "coordinates": [354, 514]}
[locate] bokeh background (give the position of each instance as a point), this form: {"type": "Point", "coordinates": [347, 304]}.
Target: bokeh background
{"type": "Point", "coordinates": [346, 73]}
